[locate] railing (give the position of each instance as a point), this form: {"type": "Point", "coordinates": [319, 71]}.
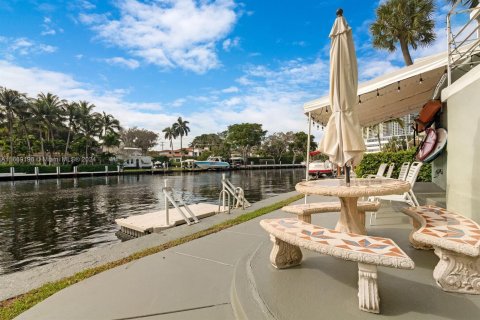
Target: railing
{"type": "Point", "coordinates": [463, 42]}
{"type": "Point", "coordinates": [169, 197]}
{"type": "Point", "coordinates": [229, 191]}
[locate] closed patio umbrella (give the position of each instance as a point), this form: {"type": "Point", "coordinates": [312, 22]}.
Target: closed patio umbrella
{"type": "Point", "coordinates": [343, 141]}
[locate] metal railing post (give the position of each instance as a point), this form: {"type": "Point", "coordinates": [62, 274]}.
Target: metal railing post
{"type": "Point", "coordinates": [167, 216]}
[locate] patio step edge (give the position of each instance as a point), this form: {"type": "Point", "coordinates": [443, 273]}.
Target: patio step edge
{"type": "Point", "coordinates": [244, 296]}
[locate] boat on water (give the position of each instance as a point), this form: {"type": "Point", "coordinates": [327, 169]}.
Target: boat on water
{"type": "Point", "coordinates": [320, 168]}
{"type": "Point", "coordinates": [213, 163]}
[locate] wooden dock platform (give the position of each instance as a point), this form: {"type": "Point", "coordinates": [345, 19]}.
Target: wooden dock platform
{"type": "Point", "coordinates": [143, 224]}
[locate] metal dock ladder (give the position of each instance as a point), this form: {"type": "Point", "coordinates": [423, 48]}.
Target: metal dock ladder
{"type": "Point", "coordinates": [228, 191]}
{"type": "Point", "coordinates": [169, 197]}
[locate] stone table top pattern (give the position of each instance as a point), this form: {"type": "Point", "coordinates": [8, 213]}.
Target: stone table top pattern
{"type": "Point", "coordinates": [357, 188]}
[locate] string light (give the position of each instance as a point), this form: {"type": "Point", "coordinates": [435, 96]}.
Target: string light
{"type": "Point", "coordinates": [421, 79]}
{"type": "Point", "coordinates": [326, 109]}
{"type": "Point", "coordinates": [359, 100]}
{"type": "Point", "coordinates": [378, 94]}
{"type": "Point", "coordinates": [398, 86]}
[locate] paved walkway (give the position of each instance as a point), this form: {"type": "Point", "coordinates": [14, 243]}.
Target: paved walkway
{"type": "Point", "coordinates": [227, 275]}
{"type": "Point", "coordinates": [17, 283]}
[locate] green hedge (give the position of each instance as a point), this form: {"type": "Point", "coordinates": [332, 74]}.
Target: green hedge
{"type": "Point", "coordinates": [30, 169]}
{"type": "Point", "coordinates": [371, 162]}
{"type": "Point", "coordinates": [96, 167]}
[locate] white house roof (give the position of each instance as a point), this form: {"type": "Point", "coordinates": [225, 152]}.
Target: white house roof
{"type": "Point", "coordinates": [390, 103]}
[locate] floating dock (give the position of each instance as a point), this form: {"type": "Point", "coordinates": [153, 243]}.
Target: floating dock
{"type": "Point", "coordinates": [155, 221]}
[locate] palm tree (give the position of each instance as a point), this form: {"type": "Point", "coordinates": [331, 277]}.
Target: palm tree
{"type": "Point", "coordinates": [71, 111]}
{"type": "Point", "coordinates": [109, 124]}
{"type": "Point", "coordinates": [181, 129]}
{"type": "Point", "coordinates": [170, 134]}
{"type": "Point", "coordinates": [110, 128]}
{"type": "Point", "coordinates": [12, 103]}
{"type": "Point", "coordinates": [51, 107]}
{"type": "Point", "coordinates": [407, 22]}
{"type": "Point", "coordinates": [467, 3]}
{"type": "Point", "coordinates": [88, 123]}
{"type": "Point", "coordinates": [25, 120]}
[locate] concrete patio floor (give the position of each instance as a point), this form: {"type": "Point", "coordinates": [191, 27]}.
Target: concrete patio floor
{"type": "Point", "coordinates": [228, 275]}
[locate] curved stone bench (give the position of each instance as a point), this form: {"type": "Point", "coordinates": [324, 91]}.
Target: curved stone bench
{"type": "Point", "coordinates": [289, 234]}
{"type": "Point", "coordinates": [456, 240]}
{"type": "Point", "coordinates": [305, 211]}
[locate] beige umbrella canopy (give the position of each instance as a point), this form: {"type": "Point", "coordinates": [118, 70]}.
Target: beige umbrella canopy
{"type": "Point", "coordinates": [343, 141]}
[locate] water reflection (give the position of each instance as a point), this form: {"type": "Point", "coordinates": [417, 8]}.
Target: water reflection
{"type": "Point", "coordinates": [41, 221]}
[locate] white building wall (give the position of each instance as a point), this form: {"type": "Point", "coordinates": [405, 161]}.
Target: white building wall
{"type": "Point", "coordinates": [387, 132]}
{"type": "Point", "coordinates": [463, 148]}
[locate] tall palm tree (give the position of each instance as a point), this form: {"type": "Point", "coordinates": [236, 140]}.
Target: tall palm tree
{"type": "Point", "coordinates": [51, 106]}
{"type": "Point", "coordinates": [170, 134]}
{"type": "Point", "coordinates": [25, 120]}
{"type": "Point", "coordinates": [11, 101]}
{"type": "Point", "coordinates": [71, 112]}
{"type": "Point", "coordinates": [407, 22]}
{"type": "Point", "coordinates": [110, 130]}
{"type": "Point", "coordinates": [88, 123]}
{"type": "Point", "coordinates": [467, 3]}
{"type": "Point", "coordinates": [181, 129]}
{"type": "Point", "coordinates": [109, 124]}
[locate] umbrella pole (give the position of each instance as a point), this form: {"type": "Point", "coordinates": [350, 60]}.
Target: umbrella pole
{"type": "Point", "coordinates": [347, 175]}
{"type": "Point", "coordinates": [307, 163]}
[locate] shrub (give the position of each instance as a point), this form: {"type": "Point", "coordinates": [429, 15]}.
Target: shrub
{"type": "Point", "coordinates": [96, 167]}
{"type": "Point", "coordinates": [371, 162]}
{"type": "Point", "coordinates": [30, 168]}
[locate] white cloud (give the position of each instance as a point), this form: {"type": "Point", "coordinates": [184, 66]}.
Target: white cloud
{"type": "Point", "coordinates": [87, 5]}
{"type": "Point", "coordinates": [371, 68]}
{"type": "Point", "coordinates": [34, 80]}
{"type": "Point", "coordinates": [232, 89]}
{"type": "Point", "coordinates": [23, 47]}
{"type": "Point", "coordinates": [49, 27]}
{"type": "Point", "coordinates": [128, 63]}
{"type": "Point", "coordinates": [229, 44]}
{"type": "Point", "coordinates": [273, 97]}
{"type": "Point", "coordinates": [178, 103]}
{"type": "Point", "coordinates": [168, 33]}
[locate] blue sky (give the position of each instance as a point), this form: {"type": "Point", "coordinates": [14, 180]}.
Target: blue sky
{"type": "Point", "coordinates": [214, 63]}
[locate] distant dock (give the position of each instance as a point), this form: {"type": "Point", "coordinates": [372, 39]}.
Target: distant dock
{"type": "Point", "coordinates": [12, 175]}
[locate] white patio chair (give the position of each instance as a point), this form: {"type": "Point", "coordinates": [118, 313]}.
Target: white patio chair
{"type": "Point", "coordinates": [390, 170]}
{"type": "Point", "coordinates": [404, 171]}
{"type": "Point", "coordinates": [379, 174]}
{"type": "Point", "coordinates": [408, 197]}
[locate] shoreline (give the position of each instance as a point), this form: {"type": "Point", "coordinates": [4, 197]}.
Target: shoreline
{"type": "Point", "coordinates": [70, 175]}
{"type": "Point", "coordinates": [18, 283]}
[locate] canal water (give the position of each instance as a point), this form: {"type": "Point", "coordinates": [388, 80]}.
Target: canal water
{"type": "Point", "coordinates": [43, 221]}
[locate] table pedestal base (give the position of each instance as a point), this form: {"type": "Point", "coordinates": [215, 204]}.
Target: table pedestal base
{"type": "Point", "coordinates": [350, 219]}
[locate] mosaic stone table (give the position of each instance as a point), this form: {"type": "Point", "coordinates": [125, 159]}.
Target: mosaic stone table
{"type": "Point", "coordinates": [350, 220]}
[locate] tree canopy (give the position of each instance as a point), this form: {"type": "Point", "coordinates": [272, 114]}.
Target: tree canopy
{"type": "Point", "coordinates": [244, 136]}
{"type": "Point", "coordinates": [408, 23]}
{"type": "Point", "coordinates": [139, 138]}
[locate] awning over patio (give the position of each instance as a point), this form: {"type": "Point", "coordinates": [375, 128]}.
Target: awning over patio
{"type": "Point", "coordinates": [392, 95]}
